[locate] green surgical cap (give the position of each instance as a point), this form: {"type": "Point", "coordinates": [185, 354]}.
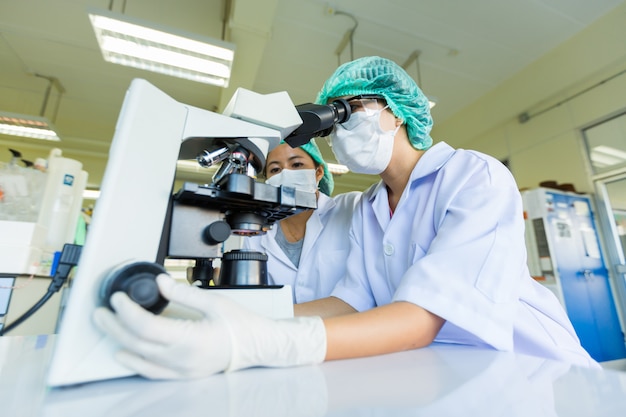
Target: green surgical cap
{"type": "Point", "coordinates": [327, 184]}
{"type": "Point", "coordinates": [376, 75]}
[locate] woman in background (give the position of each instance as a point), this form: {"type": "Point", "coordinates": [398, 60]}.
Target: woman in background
{"type": "Point", "coordinates": [306, 250]}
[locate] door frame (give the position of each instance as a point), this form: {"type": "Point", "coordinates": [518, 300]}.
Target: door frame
{"type": "Point", "coordinates": [616, 262]}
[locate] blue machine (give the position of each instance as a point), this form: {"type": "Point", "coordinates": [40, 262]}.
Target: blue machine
{"type": "Point", "coordinates": [564, 253]}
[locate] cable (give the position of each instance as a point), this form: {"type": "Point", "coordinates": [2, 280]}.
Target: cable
{"type": "Point", "coordinates": [524, 117]}
{"type": "Point", "coordinates": [69, 259]}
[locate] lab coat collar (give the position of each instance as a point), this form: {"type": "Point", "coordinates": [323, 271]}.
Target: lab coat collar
{"type": "Point", "coordinates": [315, 224]}
{"type": "Point", "coordinates": [432, 160]}
{"type": "Point", "coordinates": [270, 246]}
{"type": "Point", "coordinates": [314, 227]}
{"type": "Point", "coordinates": [324, 204]}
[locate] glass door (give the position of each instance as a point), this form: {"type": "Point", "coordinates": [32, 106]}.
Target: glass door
{"type": "Point", "coordinates": [611, 193]}
{"type": "Point", "coordinates": [606, 150]}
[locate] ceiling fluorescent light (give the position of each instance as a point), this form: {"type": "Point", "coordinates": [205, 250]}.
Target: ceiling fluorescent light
{"type": "Point", "coordinates": [604, 156]}
{"type": "Point", "coordinates": [91, 194]}
{"type": "Point", "coordinates": [609, 150]}
{"type": "Point", "coordinates": [128, 41]}
{"type": "Point", "coordinates": [27, 126]}
{"type": "Point", "coordinates": [337, 169]}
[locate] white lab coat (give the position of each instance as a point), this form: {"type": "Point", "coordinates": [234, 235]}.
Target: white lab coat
{"type": "Point", "coordinates": [455, 246]}
{"type": "Point", "coordinates": [324, 250]}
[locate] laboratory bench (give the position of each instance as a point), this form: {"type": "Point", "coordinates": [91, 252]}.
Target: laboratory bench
{"type": "Point", "coordinates": [440, 380]}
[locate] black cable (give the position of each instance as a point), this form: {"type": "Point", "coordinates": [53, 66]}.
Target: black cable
{"type": "Point", "coordinates": [69, 259]}
{"type": "Point", "coordinates": [26, 315]}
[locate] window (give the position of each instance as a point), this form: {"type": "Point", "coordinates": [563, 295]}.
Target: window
{"type": "Point", "coordinates": [606, 144]}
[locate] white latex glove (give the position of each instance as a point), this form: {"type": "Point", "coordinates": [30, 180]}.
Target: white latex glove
{"type": "Point", "coordinates": [227, 337]}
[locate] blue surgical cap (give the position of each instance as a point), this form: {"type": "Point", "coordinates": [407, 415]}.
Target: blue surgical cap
{"type": "Point", "coordinates": [376, 75]}
{"type": "Point", "coordinates": [327, 183]}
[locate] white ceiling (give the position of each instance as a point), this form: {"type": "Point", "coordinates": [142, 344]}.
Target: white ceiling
{"type": "Point", "coordinates": [467, 47]}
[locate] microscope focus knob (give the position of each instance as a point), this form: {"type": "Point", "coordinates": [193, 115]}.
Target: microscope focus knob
{"type": "Point", "coordinates": [138, 281]}
{"type": "Point", "coordinates": [216, 232]}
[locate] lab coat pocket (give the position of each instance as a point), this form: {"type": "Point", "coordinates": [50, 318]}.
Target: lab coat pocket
{"type": "Point", "coordinates": [498, 276]}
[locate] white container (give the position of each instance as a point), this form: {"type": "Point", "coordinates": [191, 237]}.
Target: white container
{"type": "Point", "coordinates": [20, 247]}
{"type": "Point", "coordinates": [21, 233]}
{"type": "Point", "coordinates": [62, 200]}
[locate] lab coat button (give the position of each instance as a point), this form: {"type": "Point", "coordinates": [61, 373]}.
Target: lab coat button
{"type": "Point", "coordinates": [388, 249]}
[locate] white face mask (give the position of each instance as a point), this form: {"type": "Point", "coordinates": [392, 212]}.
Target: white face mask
{"type": "Point", "coordinates": [300, 179]}
{"type": "Point", "coordinates": [361, 143]}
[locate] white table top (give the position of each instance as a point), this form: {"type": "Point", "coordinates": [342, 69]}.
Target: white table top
{"type": "Point", "coordinates": [435, 381]}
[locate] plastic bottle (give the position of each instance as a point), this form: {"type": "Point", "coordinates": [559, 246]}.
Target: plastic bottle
{"type": "Point", "coordinates": [62, 200]}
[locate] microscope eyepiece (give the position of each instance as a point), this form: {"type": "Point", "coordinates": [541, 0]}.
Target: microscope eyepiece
{"type": "Point", "coordinates": [318, 120]}
{"type": "Point", "coordinates": [342, 109]}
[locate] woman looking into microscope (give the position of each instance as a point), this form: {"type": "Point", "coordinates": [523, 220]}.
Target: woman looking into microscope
{"type": "Point", "coordinates": [307, 250]}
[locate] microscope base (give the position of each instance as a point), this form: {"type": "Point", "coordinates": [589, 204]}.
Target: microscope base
{"type": "Point", "coordinates": [275, 303]}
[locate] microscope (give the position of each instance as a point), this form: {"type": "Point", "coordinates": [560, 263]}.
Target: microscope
{"type": "Point", "coordinates": [200, 217]}
{"type": "Point", "coordinates": [140, 220]}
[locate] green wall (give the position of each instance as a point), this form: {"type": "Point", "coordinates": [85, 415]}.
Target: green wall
{"type": "Point", "coordinates": [549, 146]}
